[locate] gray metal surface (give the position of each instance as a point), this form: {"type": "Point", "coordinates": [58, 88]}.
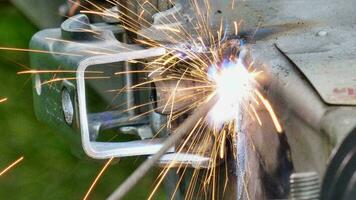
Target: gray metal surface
{"type": "Point", "coordinates": [43, 13]}
{"type": "Point", "coordinates": [323, 47]}
{"type": "Point", "coordinates": [297, 42]}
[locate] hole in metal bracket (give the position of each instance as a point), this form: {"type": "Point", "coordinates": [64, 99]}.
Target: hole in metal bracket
{"type": "Point", "coordinates": [67, 106]}
{"type": "Point", "coordinates": [38, 85]}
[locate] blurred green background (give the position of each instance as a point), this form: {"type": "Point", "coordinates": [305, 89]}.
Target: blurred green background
{"type": "Point", "coordinates": [49, 170]}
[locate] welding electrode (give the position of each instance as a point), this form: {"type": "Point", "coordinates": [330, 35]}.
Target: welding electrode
{"type": "Point", "coordinates": [177, 136]}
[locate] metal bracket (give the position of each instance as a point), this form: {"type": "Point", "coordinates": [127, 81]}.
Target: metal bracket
{"type": "Point", "coordinates": [91, 124]}
{"type": "Point", "coordinates": [64, 104]}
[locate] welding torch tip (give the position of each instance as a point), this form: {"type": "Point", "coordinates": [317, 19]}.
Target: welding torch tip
{"type": "Point", "coordinates": [177, 136]}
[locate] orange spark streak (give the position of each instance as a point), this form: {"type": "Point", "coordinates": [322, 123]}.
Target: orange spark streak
{"type": "Point", "coordinates": [70, 78]}
{"type": "Point", "coordinates": [270, 111]}
{"type": "Point", "coordinates": [97, 178]}
{"type": "Point", "coordinates": [38, 51]}
{"type": "Point", "coordinates": [256, 115]}
{"type": "Point", "coordinates": [54, 71]}
{"type": "Point", "coordinates": [236, 28]}
{"type": "Point", "coordinates": [222, 147]}
{"type": "Point", "coordinates": [3, 100]}
{"type": "Point", "coordinates": [167, 28]}
{"type": "Point", "coordinates": [74, 8]}
{"type": "Point", "coordinates": [141, 14]}
{"type": "Point", "coordinates": [99, 13]}
{"type": "Point", "coordinates": [132, 72]}
{"type": "Point", "coordinates": [11, 166]}
{"type": "Point", "coordinates": [166, 170]}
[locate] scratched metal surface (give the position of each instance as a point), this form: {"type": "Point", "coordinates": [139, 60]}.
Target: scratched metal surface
{"type": "Point", "coordinates": [318, 36]}
{"type": "Point", "coordinates": [327, 61]}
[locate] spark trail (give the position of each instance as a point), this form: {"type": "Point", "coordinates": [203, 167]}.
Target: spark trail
{"type": "Point", "coordinates": [97, 178]}
{"type": "Point", "coordinates": [12, 165]}
{"type": "Point", "coordinates": [3, 100]}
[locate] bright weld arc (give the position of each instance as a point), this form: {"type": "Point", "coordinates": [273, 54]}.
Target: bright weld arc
{"type": "Point", "coordinates": [233, 84]}
{"type": "Point", "coordinates": [11, 166]}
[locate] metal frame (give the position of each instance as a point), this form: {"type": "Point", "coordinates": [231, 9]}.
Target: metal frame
{"type": "Point", "coordinates": [102, 150]}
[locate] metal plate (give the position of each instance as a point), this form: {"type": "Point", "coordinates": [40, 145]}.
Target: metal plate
{"type": "Point", "coordinates": [326, 57]}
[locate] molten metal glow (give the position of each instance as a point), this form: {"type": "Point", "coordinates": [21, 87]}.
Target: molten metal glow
{"type": "Point", "coordinates": [233, 86]}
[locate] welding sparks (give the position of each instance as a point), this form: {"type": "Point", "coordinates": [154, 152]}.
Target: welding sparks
{"type": "Point", "coordinates": [55, 71]}
{"type": "Point", "coordinates": [208, 59]}
{"type": "Point", "coordinates": [3, 100]}
{"type": "Point", "coordinates": [11, 166]}
{"type": "Point", "coordinates": [201, 61]}
{"type": "Point", "coordinates": [270, 111]}
{"type": "Point", "coordinates": [37, 51]}
{"type": "Point", "coordinates": [97, 178]}
{"type": "Point", "coordinates": [168, 28]}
